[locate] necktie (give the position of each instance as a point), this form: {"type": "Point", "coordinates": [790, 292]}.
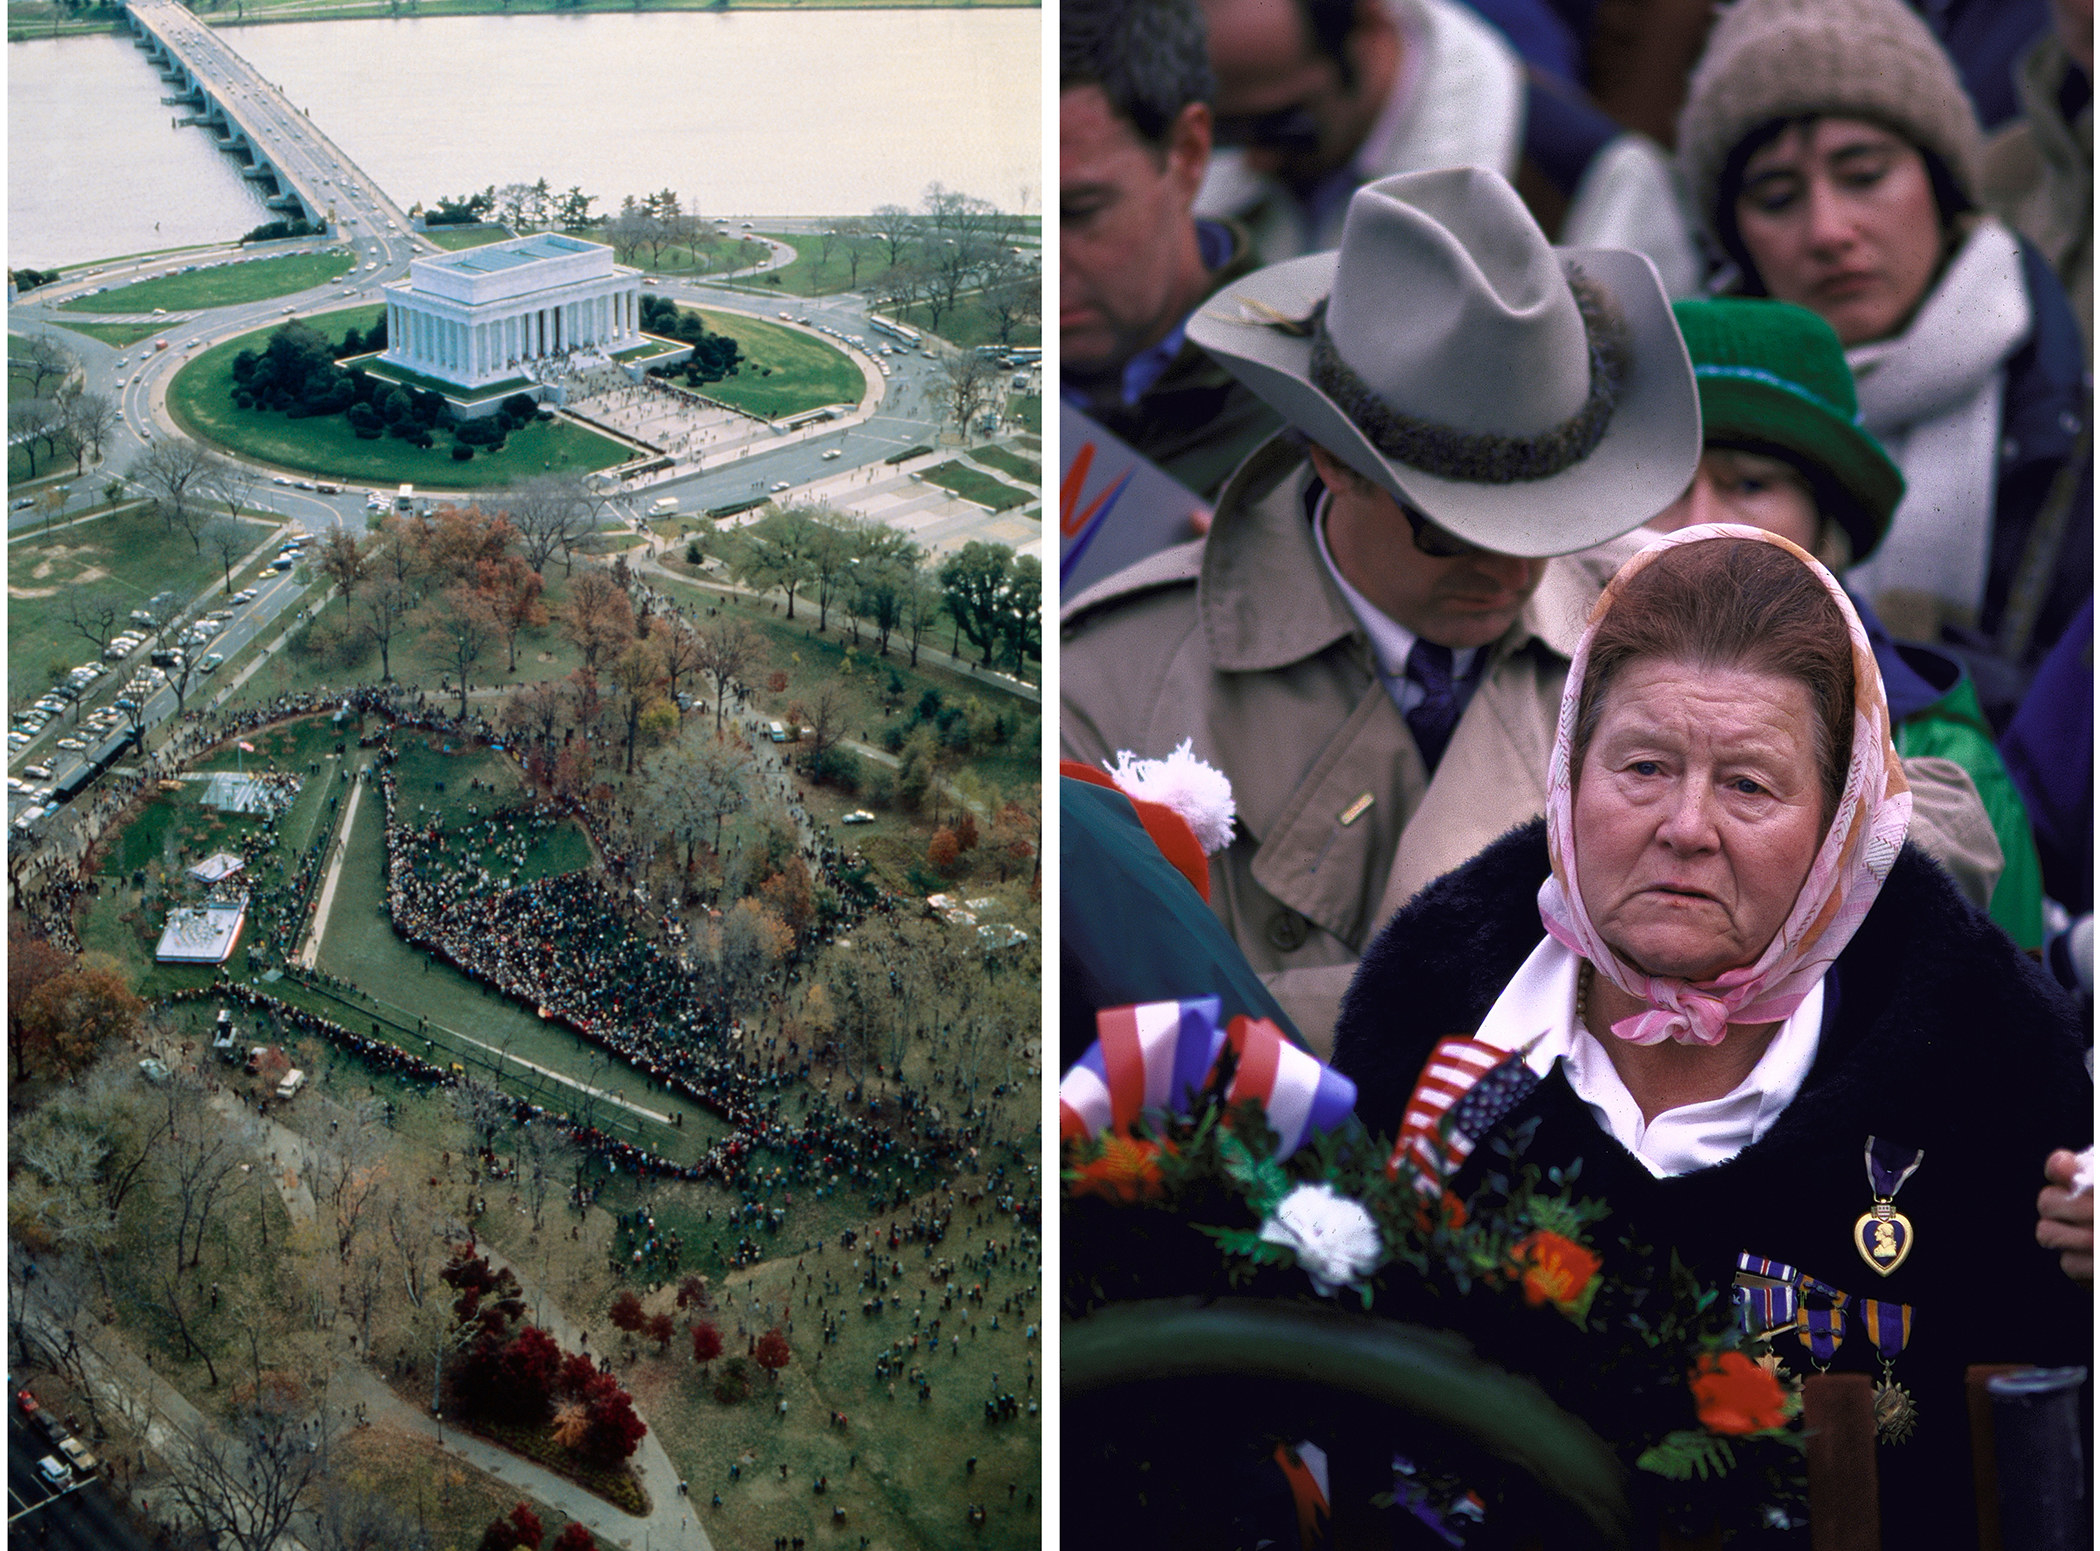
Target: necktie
{"type": "Point", "coordinates": [1429, 667]}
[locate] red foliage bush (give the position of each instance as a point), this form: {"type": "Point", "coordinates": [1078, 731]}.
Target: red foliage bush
{"type": "Point", "coordinates": [707, 1342]}
{"type": "Point", "coordinates": [773, 1352]}
{"type": "Point", "coordinates": [627, 1313]}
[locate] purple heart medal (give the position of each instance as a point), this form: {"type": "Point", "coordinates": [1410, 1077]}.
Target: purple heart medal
{"type": "Point", "coordinates": [1884, 1235]}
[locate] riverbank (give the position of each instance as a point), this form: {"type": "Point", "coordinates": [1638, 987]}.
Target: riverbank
{"type": "Point", "coordinates": [40, 20]}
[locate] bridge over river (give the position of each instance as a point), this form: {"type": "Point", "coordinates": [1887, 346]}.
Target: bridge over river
{"type": "Point", "coordinates": [252, 119]}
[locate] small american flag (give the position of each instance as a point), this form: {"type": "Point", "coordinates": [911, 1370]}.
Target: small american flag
{"type": "Point", "coordinates": [1472, 1086]}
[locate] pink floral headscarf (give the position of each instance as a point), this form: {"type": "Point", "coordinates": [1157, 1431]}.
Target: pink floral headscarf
{"type": "Point", "coordinates": [1865, 833]}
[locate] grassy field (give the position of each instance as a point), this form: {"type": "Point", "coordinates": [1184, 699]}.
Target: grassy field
{"type": "Point", "coordinates": [812, 274]}
{"type": "Point", "coordinates": [117, 334]}
{"type": "Point", "coordinates": [711, 255]}
{"type": "Point", "coordinates": [200, 398]}
{"type": "Point", "coordinates": [222, 285]}
{"type": "Point", "coordinates": [134, 555]}
{"type": "Point", "coordinates": [456, 238]}
{"type": "Point", "coordinates": [969, 323]}
{"type": "Point", "coordinates": [811, 660]}
{"type": "Point", "coordinates": [1027, 409]}
{"type": "Point", "coordinates": [784, 371]}
{"type": "Point", "coordinates": [1021, 468]}
{"type": "Point", "coordinates": [973, 485]}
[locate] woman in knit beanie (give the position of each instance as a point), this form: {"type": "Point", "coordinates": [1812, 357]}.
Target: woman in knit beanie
{"type": "Point", "coordinates": [1831, 154]}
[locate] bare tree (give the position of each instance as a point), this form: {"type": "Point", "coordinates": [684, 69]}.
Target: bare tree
{"type": "Point", "coordinates": [966, 384]}
{"type": "Point", "coordinates": [177, 474]}
{"type": "Point", "coordinates": [386, 605]}
{"type": "Point", "coordinates": [459, 626]}
{"type": "Point", "coordinates": [728, 649]}
{"type": "Point", "coordinates": [247, 1487]}
{"type": "Point", "coordinates": [922, 609]}
{"type": "Point", "coordinates": [550, 512]}
{"type": "Point", "coordinates": [31, 422]}
{"type": "Point", "coordinates": [228, 541]}
{"type": "Point", "coordinates": [231, 484]}
{"type": "Point", "coordinates": [896, 226]}
{"type": "Point", "coordinates": [89, 421]}
{"type": "Point", "coordinates": [349, 1518]}
{"type": "Point", "coordinates": [45, 362]}
{"type": "Point", "coordinates": [95, 616]}
{"type": "Point", "coordinates": [682, 654]}
{"type": "Point", "coordinates": [485, 1108]}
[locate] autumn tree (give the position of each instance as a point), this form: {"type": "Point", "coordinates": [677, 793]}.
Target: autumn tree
{"type": "Point", "coordinates": [66, 1011]}
{"type": "Point", "coordinates": [599, 617]}
{"type": "Point", "coordinates": [707, 1343]}
{"type": "Point", "coordinates": [513, 589]}
{"type": "Point", "coordinates": [612, 1430]}
{"type": "Point", "coordinates": [342, 561]}
{"type": "Point", "coordinates": [638, 674]}
{"type": "Point", "coordinates": [626, 1313]}
{"type": "Point", "coordinates": [661, 1327]}
{"type": "Point", "coordinates": [942, 852]}
{"type": "Point", "coordinates": [773, 1352]}
{"type": "Point", "coordinates": [574, 1538]}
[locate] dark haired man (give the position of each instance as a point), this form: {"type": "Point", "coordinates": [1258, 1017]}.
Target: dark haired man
{"type": "Point", "coordinates": [1134, 140]}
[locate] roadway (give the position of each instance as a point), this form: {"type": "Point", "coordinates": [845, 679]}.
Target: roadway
{"type": "Point", "coordinates": [80, 1514]}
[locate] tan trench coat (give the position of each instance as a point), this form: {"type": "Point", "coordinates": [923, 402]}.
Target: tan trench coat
{"type": "Point", "coordinates": [1244, 645]}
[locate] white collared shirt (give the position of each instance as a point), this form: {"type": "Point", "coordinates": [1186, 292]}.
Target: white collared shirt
{"type": "Point", "coordinates": [1390, 641]}
{"type": "Point", "coordinates": [1539, 1003]}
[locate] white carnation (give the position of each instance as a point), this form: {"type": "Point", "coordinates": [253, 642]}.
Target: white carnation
{"type": "Point", "coordinates": [1334, 1238]}
{"type": "Point", "coordinates": [1181, 781]}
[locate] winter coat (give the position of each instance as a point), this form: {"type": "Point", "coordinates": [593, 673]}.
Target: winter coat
{"type": "Point", "coordinates": [1937, 1033]}
{"type": "Point", "coordinates": [1243, 644]}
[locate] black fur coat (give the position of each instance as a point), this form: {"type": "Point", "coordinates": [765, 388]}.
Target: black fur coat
{"type": "Point", "coordinates": [1937, 1033]}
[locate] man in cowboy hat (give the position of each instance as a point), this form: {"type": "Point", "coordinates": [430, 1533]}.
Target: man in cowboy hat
{"type": "Point", "coordinates": [1373, 640]}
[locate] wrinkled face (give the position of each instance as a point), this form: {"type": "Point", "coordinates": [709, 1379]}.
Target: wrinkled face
{"type": "Point", "coordinates": [1282, 101]}
{"type": "Point", "coordinates": [1698, 811]}
{"type": "Point", "coordinates": [1838, 216]}
{"type": "Point", "coordinates": [1124, 209]}
{"type": "Point", "coordinates": [1749, 488]}
{"type": "Point", "coordinates": [1463, 602]}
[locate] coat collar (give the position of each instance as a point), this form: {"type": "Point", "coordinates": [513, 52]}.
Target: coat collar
{"type": "Point", "coordinates": [1266, 601]}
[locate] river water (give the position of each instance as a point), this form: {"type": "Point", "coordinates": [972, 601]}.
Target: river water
{"type": "Point", "coordinates": [743, 113]}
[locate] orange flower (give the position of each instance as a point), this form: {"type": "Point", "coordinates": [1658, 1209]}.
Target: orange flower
{"type": "Point", "coordinates": [1734, 1395]}
{"type": "Point", "coordinates": [1450, 1208]}
{"type": "Point", "coordinates": [1127, 1171]}
{"type": "Point", "coordinates": [1555, 1269]}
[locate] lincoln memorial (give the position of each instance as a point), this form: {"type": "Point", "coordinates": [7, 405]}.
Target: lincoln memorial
{"type": "Point", "coordinates": [474, 319]}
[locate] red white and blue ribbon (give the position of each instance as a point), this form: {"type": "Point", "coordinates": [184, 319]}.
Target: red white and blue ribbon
{"type": "Point", "coordinates": [1154, 1055]}
{"type": "Point", "coordinates": [1466, 1089]}
{"type": "Point", "coordinates": [1300, 1095]}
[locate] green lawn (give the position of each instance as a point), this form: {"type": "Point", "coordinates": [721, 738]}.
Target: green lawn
{"type": "Point", "coordinates": [133, 555]}
{"type": "Point", "coordinates": [1027, 409]}
{"type": "Point", "coordinates": [713, 255]}
{"type": "Point", "coordinates": [1010, 463]}
{"type": "Point", "coordinates": [118, 334]}
{"type": "Point", "coordinates": [969, 323]}
{"type": "Point", "coordinates": [811, 660]}
{"type": "Point", "coordinates": [972, 485]}
{"type": "Point", "coordinates": [200, 398]}
{"type": "Point", "coordinates": [784, 371]}
{"type": "Point", "coordinates": [813, 274]}
{"type": "Point", "coordinates": [456, 238]}
{"type": "Point", "coordinates": [222, 285]}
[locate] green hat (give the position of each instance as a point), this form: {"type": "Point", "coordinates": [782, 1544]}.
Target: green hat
{"type": "Point", "coordinates": [1773, 378]}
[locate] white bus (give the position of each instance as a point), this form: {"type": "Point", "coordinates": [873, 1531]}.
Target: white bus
{"type": "Point", "coordinates": [894, 330]}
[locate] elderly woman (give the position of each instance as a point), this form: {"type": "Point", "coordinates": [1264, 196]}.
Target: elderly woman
{"type": "Point", "coordinates": [1831, 154]}
{"type": "Point", "coordinates": [1778, 1040]}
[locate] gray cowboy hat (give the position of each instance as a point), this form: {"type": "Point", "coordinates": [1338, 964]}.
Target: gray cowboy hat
{"type": "Point", "coordinates": [1532, 400]}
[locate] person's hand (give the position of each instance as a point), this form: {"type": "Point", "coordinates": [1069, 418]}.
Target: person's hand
{"type": "Point", "coordinates": [2066, 1219]}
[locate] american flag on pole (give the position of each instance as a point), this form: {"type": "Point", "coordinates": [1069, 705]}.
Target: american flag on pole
{"type": "Point", "coordinates": [1465, 1090]}
{"type": "Point", "coordinates": [245, 748]}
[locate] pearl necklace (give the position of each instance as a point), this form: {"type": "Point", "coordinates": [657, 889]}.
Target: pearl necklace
{"type": "Point", "coordinates": [1583, 977]}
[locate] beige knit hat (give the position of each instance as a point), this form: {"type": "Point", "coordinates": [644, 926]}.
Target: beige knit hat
{"type": "Point", "coordinates": [1778, 59]}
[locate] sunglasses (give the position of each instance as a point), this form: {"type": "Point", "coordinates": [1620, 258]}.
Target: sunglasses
{"type": "Point", "coordinates": [1433, 541]}
{"type": "Point", "coordinates": [1291, 131]}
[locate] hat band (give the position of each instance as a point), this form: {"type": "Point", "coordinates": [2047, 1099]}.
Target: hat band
{"type": "Point", "coordinates": [1485, 457]}
{"type": "Point", "coordinates": [1783, 384]}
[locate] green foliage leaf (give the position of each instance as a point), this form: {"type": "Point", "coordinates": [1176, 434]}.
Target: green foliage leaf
{"type": "Point", "coordinates": [1686, 1453]}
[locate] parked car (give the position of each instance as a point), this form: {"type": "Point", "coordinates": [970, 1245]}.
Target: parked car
{"type": "Point", "coordinates": [211, 664]}
{"type": "Point", "coordinates": [51, 1467]}
{"type": "Point", "coordinates": [77, 1456]}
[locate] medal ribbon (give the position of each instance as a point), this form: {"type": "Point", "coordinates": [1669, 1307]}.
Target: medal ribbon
{"type": "Point", "coordinates": [1763, 1311]}
{"type": "Point", "coordinates": [1823, 1333]}
{"type": "Point", "coordinates": [1889, 1164]}
{"type": "Point", "coordinates": [1814, 1293]}
{"type": "Point", "coordinates": [1888, 1325]}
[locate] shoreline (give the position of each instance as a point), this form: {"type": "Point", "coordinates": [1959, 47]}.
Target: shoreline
{"type": "Point", "coordinates": [26, 29]}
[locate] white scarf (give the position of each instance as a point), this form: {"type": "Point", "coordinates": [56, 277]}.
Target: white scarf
{"type": "Point", "coordinates": [1934, 396]}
